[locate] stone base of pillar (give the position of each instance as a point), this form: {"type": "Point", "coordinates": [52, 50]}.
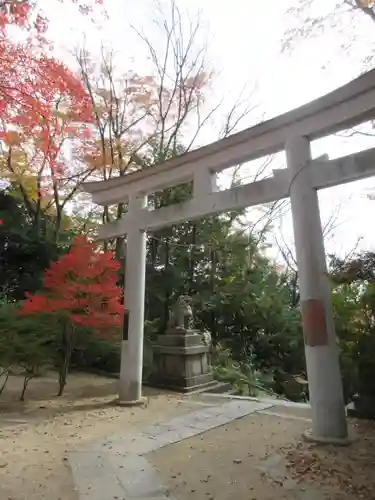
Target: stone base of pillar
{"type": "Point", "coordinates": [310, 438]}
{"type": "Point", "coordinates": [137, 402]}
{"type": "Point", "coordinates": [181, 362]}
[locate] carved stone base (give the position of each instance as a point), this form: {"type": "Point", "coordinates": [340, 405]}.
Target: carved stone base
{"type": "Point", "coordinates": [181, 362]}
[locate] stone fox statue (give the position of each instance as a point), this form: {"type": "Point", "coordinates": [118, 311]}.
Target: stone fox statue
{"type": "Point", "coordinates": [181, 315]}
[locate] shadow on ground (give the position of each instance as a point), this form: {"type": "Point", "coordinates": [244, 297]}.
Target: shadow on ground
{"type": "Point", "coordinates": [84, 392]}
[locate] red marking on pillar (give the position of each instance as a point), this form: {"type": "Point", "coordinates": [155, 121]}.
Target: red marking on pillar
{"type": "Point", "coordinates": [314, 322]}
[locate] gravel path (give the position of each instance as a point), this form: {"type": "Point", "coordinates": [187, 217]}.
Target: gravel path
{"type": "Point", "coordinates": [220, 450]}
{"type": "Point", "coordinates": [34, 455]}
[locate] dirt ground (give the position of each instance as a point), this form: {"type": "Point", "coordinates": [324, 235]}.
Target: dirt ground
{"type": "Point", "coordinates": [33, 456]}
{"type": "Point", "coordinates": [223, 464]}
{"type": "Point", "coordinates": [79, 387]}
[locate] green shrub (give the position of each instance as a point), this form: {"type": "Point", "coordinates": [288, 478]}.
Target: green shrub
{"type": "Point", "coordinates": [40, 335]}
{"type": "Point", "coordinates": [26, 344]}
{"type": "Point", "coordinates": [97, 355]}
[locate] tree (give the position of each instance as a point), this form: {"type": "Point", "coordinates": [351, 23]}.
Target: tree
{"type": "Point", "coordinates": [26, 94]}
{"type": "Point", "coordinates": [23, 253]}
{"type": "Point", "coordinates": [26, 344]}
{"type": "Point", "coordinates": [81, 288]}
{"type": "Point", "coordinates": [42, 105]}
{"type": "Point", "coordinates": [354, 293]}
{"type": "Point", "coordinates": [287, 251]}
{"type": "Point", "coordinates": [141, 120]}
{"type": "Point", "coordinates": [310, 18]}
{"type": "Point", "coordinates": [122, 107]}
{"type": "Point", "coordinates": [313, 18]}
{"type": "Point", "coordinates": [47, 175]}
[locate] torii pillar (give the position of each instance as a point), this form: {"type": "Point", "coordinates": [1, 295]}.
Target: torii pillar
{"type": "Point", "coordinates": [322, 357]}
{"type": "Point", "coordinates": [130, 388]}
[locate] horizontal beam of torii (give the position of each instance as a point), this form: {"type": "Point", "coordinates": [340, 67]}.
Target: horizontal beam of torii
{"type": "Point", "coordinates": [343, 108]}
{"type": "Point", "coordinates": [324, 174]}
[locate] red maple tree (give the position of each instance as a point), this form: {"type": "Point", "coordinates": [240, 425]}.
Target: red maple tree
{"type": "Point", "coordinates": [82, 287]}
{"type": "Point", "coordinates": [31, 77]}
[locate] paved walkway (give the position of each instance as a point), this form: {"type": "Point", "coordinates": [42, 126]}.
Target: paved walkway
{"type": "Point", "coordinates": [116, 469]}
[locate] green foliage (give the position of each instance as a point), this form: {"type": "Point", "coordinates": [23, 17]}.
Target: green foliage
{"type": "Point", "coordinates": [354, 307]}
{"type": "Point", "coordinates": [238, 296]}
{"type": "Point", "coordinates": [346, 307]}
{"type": "Point", "coordinates": [104, 356]}
{"type": "Point", "coordinates": [23, 257]}
{"type": "Point", "coordinates": [25, 249]}
{"type": "Point", "coordinates": [25, 344]}
{"type": "Point", "coordinates": [97, 356]}
{"type": "Point", "coordinates": [150, 335]}
{"type": "Point", "coordinates": [28, 344]}
{"type": "Point", "coordinates": [246, 380]}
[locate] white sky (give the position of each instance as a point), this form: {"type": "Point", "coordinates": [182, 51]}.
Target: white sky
{"type": "Point", "coordinates": [245, 49]}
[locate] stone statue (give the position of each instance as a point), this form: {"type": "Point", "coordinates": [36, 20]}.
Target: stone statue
{"type": "Point", "coordinates": [206, 338]}
{"type": "Point", "coordinates": [181, 316]}
{"type": "Point", "coordinates": [182, 355]}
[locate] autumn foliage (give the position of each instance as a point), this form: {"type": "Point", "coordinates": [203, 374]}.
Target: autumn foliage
{"type": "Point", "coordinates": [32, 79]}
{"type": "Point", "coordinates": [43, 104]}
{"type": "Point", "coordinates": [82, 286]}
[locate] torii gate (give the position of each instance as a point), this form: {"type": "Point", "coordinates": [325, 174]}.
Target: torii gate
{"type": "Point", "coordinates": [347, 106]}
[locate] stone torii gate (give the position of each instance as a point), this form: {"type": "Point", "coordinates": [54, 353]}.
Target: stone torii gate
{"type": "Point", "coordinates": [347, 106]}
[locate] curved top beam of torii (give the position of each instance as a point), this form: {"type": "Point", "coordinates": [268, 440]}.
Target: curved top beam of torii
{"type": "Point", "coordinates": [345, 107]}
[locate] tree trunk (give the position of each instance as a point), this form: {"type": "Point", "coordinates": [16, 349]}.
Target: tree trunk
{"type": "Point", "coordinates": [67, 348]}
{"type": "Point", "coordinates": [6, 374]}
{"type": "Point", "coordinates": [26, 381]}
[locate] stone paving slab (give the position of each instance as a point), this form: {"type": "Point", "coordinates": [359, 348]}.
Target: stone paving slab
{"type": "Point", "coordinates": [137, 477]}
{"type": "Point", "coordinates": [116, 469]}
{"type": "Point", "coordinates": [94, 477]}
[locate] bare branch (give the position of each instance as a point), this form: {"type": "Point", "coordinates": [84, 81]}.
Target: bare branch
{"type": "Point", "coordinates": [312, 19]}
{"type": "Point", "coordinates": [181, 77]}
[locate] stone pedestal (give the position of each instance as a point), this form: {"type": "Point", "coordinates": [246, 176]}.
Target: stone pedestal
{"type": "Point", "coordinates": [181, 361]}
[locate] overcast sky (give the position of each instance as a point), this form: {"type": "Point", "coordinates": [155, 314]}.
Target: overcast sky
{"type": "Point", "coordinates": [245, 49]}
